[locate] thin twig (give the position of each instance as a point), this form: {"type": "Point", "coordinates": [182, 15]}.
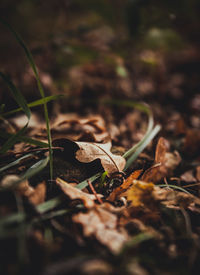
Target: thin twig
{"type": "Point", "coordinates": [94, 192]}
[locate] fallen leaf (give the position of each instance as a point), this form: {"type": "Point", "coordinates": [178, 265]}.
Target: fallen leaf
{"type": "Point", "coordinates": [91, 151]}
{"type": "Point", "coordinates": [119, 191]}
{"type": "Point", "coordinates": [88, 152]}
{"type": "Point", "coordinates": [99, 222]}
{"type": "Point", "coordinates": [165, 162]}
{"type": "Point", "coordinates": [38, 196]}
{"type": "Point", "coordinates": [188, 177]}
{"type": "Point", "coordinates": [74, 194]}
{"type": "Point", "coordinates": [76, 128]}
{"type": "Point", "coordinates": [140, 193]}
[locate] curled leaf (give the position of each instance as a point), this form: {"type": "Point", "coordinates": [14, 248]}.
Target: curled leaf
{"type": "Point", "coordinates": [90, 151]}
{"type": "Point", "coordinates": [165, 162]}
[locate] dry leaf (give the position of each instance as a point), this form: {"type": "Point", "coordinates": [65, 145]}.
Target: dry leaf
{"type": "Point", "coordinates": [38, 196]}
{"type": "Point", "coordinates": [74, 194]}
{"type": "Point", "coordinates": [91, 151]}
{"type": "Point", "coordinates": [88, 152]}
{"type": "Point", "coordinates": [74, 127]}
{"type": "Point", "coordinates": [188, 177]}
{"type": "Point", "coordinates": [165, 162]}
{"type": "Point", "coordinates": [99, 222]}
{"type": "Point", "coordinates": [119, 191]}
{"type": "Point", "coordinates": [140, 193]}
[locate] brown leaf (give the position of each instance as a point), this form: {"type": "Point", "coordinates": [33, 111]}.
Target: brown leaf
{"type": "Point", "coordinates": [188, 177]}
{"type": "Point", "coordinates": [140, 193]}
{"type": "Point", "coordinates": [73, 127]}
{"type": "Point", "coordinates": [90, 151]}
{"type": "Point", "coordinates": [75, 194]}
{"type": "Point", "coordinates": [119, 191]}
{"type": "Point", "coordinates": [164, 164]}
{"type": "Point", "coordinates": [39, 194]}
{"type": "Point", "coordinates": [198, 173]}
{"type": "Point", "coordinates": [99, 222]}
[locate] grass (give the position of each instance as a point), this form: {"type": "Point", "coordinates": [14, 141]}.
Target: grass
{"type": "Point", "coordinates": [35, 71]}
{"type": "Point", "coordinates": [21, 101]}
{"type": "Point", "coordinates": [130, 155]}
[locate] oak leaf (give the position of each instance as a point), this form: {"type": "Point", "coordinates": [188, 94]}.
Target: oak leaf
{"type": "Point", "coordinates": [90, 151]}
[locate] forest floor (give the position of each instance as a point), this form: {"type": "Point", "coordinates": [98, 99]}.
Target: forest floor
{"type": "Point", "coordinates": [141, 216]}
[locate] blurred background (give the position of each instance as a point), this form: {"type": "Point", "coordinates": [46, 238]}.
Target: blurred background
{"type": "Point", "coordinates": [135, 49]}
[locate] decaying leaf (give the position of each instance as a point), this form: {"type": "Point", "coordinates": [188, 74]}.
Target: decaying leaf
{"type": "Point", "coordinates": [140, 193]}
{"type": "Point", "coordinates": [175, 199]}
{"type": "Point", "coordinates": [74, 127]}
{"type": "Point", "coordinates": [101, 223]}
{"type": "Point", "coordinates": [119, 191]}
{"type": "Point", "coordinates": [75, 194]}
{"type": "Point", "coordinates": [88, 152]}
{"type": "Point", "coordinates": [165, 162]}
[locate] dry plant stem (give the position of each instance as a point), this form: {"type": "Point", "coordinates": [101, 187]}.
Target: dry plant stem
{"type": "Point", "coordinates": [94, 192]}
{"type": "Point", "coordinates": [191, 185]}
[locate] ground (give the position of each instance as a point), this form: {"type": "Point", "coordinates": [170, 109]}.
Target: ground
{"type": "Point", "coordinates": [116, 191]}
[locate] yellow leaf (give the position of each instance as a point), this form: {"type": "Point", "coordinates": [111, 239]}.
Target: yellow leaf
{"type": "Point", "coordinates": [140, 193]}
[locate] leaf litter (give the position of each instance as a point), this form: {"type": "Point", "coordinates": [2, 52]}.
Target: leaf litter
{"type": "Point", "coordinates": [148, 218]}
{"type": "Point", "coordinates": [137, 205]}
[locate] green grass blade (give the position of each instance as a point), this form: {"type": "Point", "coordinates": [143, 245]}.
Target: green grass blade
{"type": "Point", "coordinates": [11, 164]}
{"type": "Point", "coordinates": [50, 204]}
{"type": "Point", "coordinates": [22, 103]}
{"type": "Point", "coordinates": [33, 66]}
{"type": "Point", "coordinates": [143, 108]}
{"type": "Point", "coordinates": [34, 104]}
{"type": "Point", "coordinates": [134, 148]}
{"type": "Point", "coordinates": [174, 187]}
{"type": "Point", "coordinates": [84, 183]}
{"type": "Point", "coordinates": [142, 146]}
{"type": "Point", "coordinates": [2, 107]}
{"type": "Point", "coordinates": [133, 153]}
{"type": "Point", "coordinates": [12, 140]}
{"type": "Point", "coordinates": [33, 170]}
{"type": "Point", "coordinates": [19, 98]}
{"type": "Point", "coordinates": [42, 208]}
{"type": "Point", "coordinates": [24, 139]}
